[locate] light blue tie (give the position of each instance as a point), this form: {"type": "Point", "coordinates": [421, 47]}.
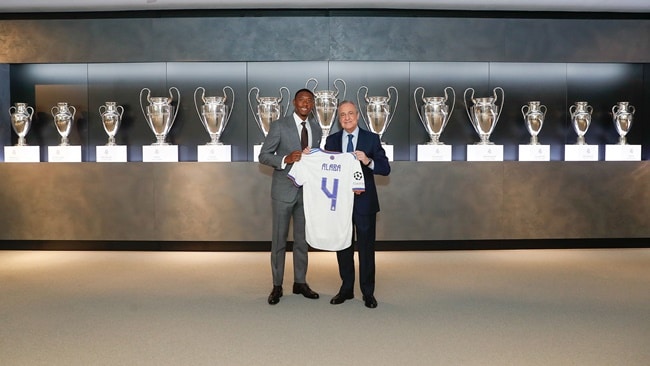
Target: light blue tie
{"type": "Point", "coordinates": [350, 146]}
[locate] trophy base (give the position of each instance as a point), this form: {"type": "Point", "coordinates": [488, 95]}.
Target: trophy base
{"type": "Point", "coordinates": [389, 151]}
{"type": "Point", "coordinates": [160, 153]}
{"type": "Point", "coordinates": [214, 153]}
{"type": "Point", "coordinates": [64, 154]}
{"type": "Point", "coordinates": [534, 152]}
{"type": "Point", "coordinates": [256, 152]}
{"type": "Point", "coordinates": [622, 152]}
{"type": "Point", "coordinates": [581, 152]}
{"type": "Point", "coordinates": [22, 154]}
{"type": "Point", "coordinates": [110, 154]}
{"type": "Point", "coordinates": [434, 152]}
{"type": "Point", "coordinates": [485, 152]}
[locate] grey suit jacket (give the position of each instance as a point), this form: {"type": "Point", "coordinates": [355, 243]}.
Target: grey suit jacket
{"type": "Point", "coordinates": [281, 140]}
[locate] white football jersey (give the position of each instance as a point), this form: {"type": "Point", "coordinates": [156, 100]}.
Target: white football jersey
{"type": "Point", "coordinates": [329, 180]}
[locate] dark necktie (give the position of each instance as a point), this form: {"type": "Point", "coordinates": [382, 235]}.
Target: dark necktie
{"type": "Point", "coordinates": [350, 146]}
{"type": "Point", "coordinates": [304, 139]}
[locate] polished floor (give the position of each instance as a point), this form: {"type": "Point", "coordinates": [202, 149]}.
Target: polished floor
{"type": "Point", "coordinates": [504, 307]}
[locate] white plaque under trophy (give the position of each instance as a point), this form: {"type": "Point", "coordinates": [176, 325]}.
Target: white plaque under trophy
{"type": "Point", "coordinates": [581, 152]}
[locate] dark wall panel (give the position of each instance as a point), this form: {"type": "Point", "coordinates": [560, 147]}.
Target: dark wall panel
{"type": "Point", "coordinates": [577, 40]}
{"type": "Point", "coordinates": [353, 35]}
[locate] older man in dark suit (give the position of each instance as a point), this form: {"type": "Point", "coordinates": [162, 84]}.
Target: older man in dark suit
{"type": "Point", "coordinates": [367, 147]}
{"type": "Point", "coordinates": [285, 143]}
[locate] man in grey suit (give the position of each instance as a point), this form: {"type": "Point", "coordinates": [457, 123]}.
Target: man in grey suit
{"type": "Point", "coordinates": [288, 138]}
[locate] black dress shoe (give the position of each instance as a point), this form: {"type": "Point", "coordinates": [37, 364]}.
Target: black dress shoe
{"type": "Point", "coordinates": [275, 295]}
{"type": "Point", "coordinates": [303, 288]}
{"type": "Point", "coordinates": [341, 297]}
{"type": "Point", "coordinates": [370, 301]}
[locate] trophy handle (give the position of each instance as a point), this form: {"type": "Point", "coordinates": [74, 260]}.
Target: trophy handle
{"type": "Point", "coordinates": [363, 114]}
{"type": "Point", "coordinates": [10, 112]}
{"type": "Point", "coordinates": [453, 103]}
{"type": "Point", "coordinates": [232, 102]}
{"type": "Point", "coordinates": [196, 105]}
{"type": "Point", "coordinates": [524, 110]}
{"type": "Point", "coordinates": [74, 111]}
{"type": "Point", "coordinates": [286, 108]}
{"type": "Point", "coordinates": [338, 90]}
{"type": "Point", "coordinates": [632, 109]}
{"type": "Point", "coordinates": [52, 111]}
{"type": "Point", "coordinates": [250, 103]}
{"type": "Point", "coordinates": [102, 109]}
{"type": "Point", "coordinates": [148, 100]}
{"type": "Point", "coordinates": [503, 97]}
{"type": "Point", "coordinates": [392, 115]}
{"type": "Point", "coordinates": [120, 110]}
{"type": "Point", "coordinates": [466, 106]}
{"type": "Point", "coordinates": [572, 110]}
{"type": "Point", "coordinates": [543, 109]}
{"type": "Point", "coordinates": [315, 84]}
{"type": "Point", "coordinates": [590, 109]}
{"type": "Point", "coordinates": [415, 100]}
{"type": "Point", "coordinates": [178, 104]}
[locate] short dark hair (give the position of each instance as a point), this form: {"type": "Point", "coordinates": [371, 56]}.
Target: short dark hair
{"type": "Point", "coordinates": [303, 90]}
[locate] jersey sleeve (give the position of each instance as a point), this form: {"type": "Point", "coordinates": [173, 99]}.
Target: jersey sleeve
{"type": "Point", "coordinates": [358, 183]}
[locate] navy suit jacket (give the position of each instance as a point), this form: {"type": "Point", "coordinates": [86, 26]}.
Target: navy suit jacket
{"type": "Point", "coordinates": [367, 202]}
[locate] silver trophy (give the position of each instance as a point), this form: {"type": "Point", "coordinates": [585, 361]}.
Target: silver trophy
{"type": "Point", "coordinates": [214, 112]}
{"type": "Point", "coordinates": [21, 120]}
{"type": "Point", "coordinates": [580, 120]}
{"type": "Point", "coordinates": [267, 109]}
{"type": "Point", "coordinates": [623, 113]}
{"type": "Point", "coordinates": [435, 113]}
{"type": "Point", "coordinates": [326, 104]}
{"type": "Point", "coordinates": [111, 114]}
{"type": "Point", "coordinates": [63, 120]}
{"type": "Point", "coordinates": [484, 113]}
{"type": "Point", "coordinates": [534, 113]}
{"type": "Point", "coordinates": [160, 113]}
{"type": "Point", "coordinates": [377, 110]}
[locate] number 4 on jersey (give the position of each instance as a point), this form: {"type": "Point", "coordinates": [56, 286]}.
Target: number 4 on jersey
{"type": "Point", "coordinates": [331, 195]}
